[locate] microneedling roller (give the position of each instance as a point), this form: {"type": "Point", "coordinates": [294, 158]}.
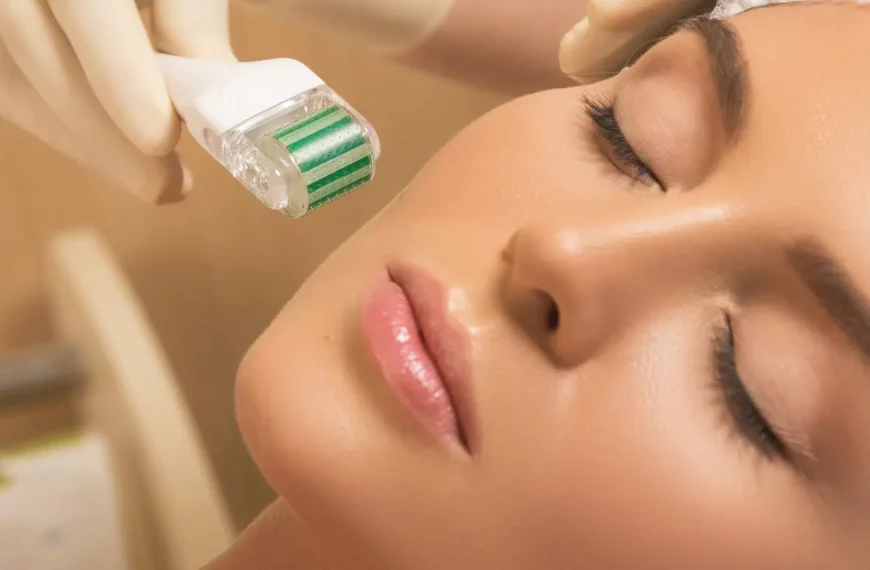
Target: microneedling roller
{"type": "Point", "coordinates": [276, 127]}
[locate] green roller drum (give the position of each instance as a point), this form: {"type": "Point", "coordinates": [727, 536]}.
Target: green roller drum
{"type": "Point", "coordinates": [332, 153]}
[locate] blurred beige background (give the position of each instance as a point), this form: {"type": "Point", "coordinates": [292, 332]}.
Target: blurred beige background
{"type": "Point", "coordinates": [213, 271]}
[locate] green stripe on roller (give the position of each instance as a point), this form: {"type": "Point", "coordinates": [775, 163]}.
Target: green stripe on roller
{"type": "Point", "coordinates": [342, 161]}
{"type": "Point", "coordinates": [362, 165]}
{"type": "Point", "coordinates": [291, 140]}
{"type": "Point", "coordinates": [340, 126]}
{"type": "Point", "coordinates": [299, 125]}
{"type": "Point", "coordinates": [313, 132]}
{"type": "Point", "coordinates": [339, 193]}
{"type": "Point", "coordinates": [330, 147]}
{"type": "Point", "coordinates": [339, 185]}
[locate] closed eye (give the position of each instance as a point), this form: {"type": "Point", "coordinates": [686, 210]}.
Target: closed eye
{"type": "Point", "coordinates": [619, 150]}
{"type": "Point", "coordinates": [747, 418]}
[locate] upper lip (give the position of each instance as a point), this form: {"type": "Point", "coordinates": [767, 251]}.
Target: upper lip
{"type": "Point", "coordinates": [445, 339]}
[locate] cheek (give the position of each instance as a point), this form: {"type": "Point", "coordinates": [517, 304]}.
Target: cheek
{"type": "Point", "coordinates": [633, 451]}
{"type": "Point", "coordinates": [609, 453]}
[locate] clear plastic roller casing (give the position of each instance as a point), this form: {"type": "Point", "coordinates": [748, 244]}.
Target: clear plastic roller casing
{"type": "Point", "coordinates": [302, 153]}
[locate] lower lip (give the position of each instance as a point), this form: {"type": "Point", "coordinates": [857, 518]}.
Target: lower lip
{"type": "Point", "coordinates": [395, 341]}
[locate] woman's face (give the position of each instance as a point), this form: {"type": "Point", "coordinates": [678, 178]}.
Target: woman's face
{"type": "Point", "coordinates": [622, 326]}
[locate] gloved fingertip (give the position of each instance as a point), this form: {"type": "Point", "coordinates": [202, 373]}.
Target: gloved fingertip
{"type": "Point", "coordinates": [617, 15]}
{"type": "Point", "coordinates": [600, 12]}
{"type": "Point", "coordinates": [627, 15]}
{"type": "Point", "coordinates": [177, 188]}
{"type": "Point", "coordinates": [162, 181]}
{"type": "Point", "coordinates": [570, 45]}
{"type": "Point", "coordinates": [588, 54]}
{"type": "Point", "coordinates": [160, 137]}
{"type": "Point", "coordinates": [187, 180]}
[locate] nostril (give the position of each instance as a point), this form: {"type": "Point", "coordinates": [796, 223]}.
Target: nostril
{"type": "Point", "coordinates": [544, 314]}
{"type": "Point", "coordinates": [552, 315]}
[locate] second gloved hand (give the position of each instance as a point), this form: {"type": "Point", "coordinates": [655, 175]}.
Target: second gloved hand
{"type": "Point", "coordinates": [81, 76]}
{"type": "Point", "coordinates": [615, 31]}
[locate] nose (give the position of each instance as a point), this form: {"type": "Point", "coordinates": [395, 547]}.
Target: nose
{"type": "Point", "coordinates": [575, 281]}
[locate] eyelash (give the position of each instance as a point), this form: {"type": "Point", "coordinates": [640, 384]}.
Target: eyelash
{"type": "Point", "coordinates": [749, 421]}
{"type": "Point", "coordinates": [603, 116]}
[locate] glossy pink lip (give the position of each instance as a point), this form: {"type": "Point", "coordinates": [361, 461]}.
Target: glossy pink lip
{"type": "Point", "coordinates": [422, 352]}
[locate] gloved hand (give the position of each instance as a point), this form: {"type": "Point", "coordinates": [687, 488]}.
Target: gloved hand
{"type": "Point", "coordinates": [614, 31]}
{"type": "Point", "coordinates": [81, 76]}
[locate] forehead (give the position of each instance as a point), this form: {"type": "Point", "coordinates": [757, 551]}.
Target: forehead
{"type": "Point", "coordinates": [808, 70]}
{"type": "Point", "coordinates": [808, 128]}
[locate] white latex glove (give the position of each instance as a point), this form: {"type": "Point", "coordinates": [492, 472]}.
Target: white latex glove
{"type": "Point", "coordinates": [81, 76]}
{"type": "Point", "coordinates": [614, 30]}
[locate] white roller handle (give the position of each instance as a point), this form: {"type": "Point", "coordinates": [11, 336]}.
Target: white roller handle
{"type": "Point", "coordinates": [216, 96]}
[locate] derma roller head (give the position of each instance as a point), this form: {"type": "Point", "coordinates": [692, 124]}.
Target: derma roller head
{"type": "Point", "coordinates": [285, 135]}
{"type": "Point", "coordinates": [331, 151]}
{"type": "Point", "coordinates": [303, 153]}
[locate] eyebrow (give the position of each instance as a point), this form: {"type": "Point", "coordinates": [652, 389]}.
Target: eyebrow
{"type": "Point", "coordinates": [728, 66]}
{"type": "Point", "coordinates": [835, 290]}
